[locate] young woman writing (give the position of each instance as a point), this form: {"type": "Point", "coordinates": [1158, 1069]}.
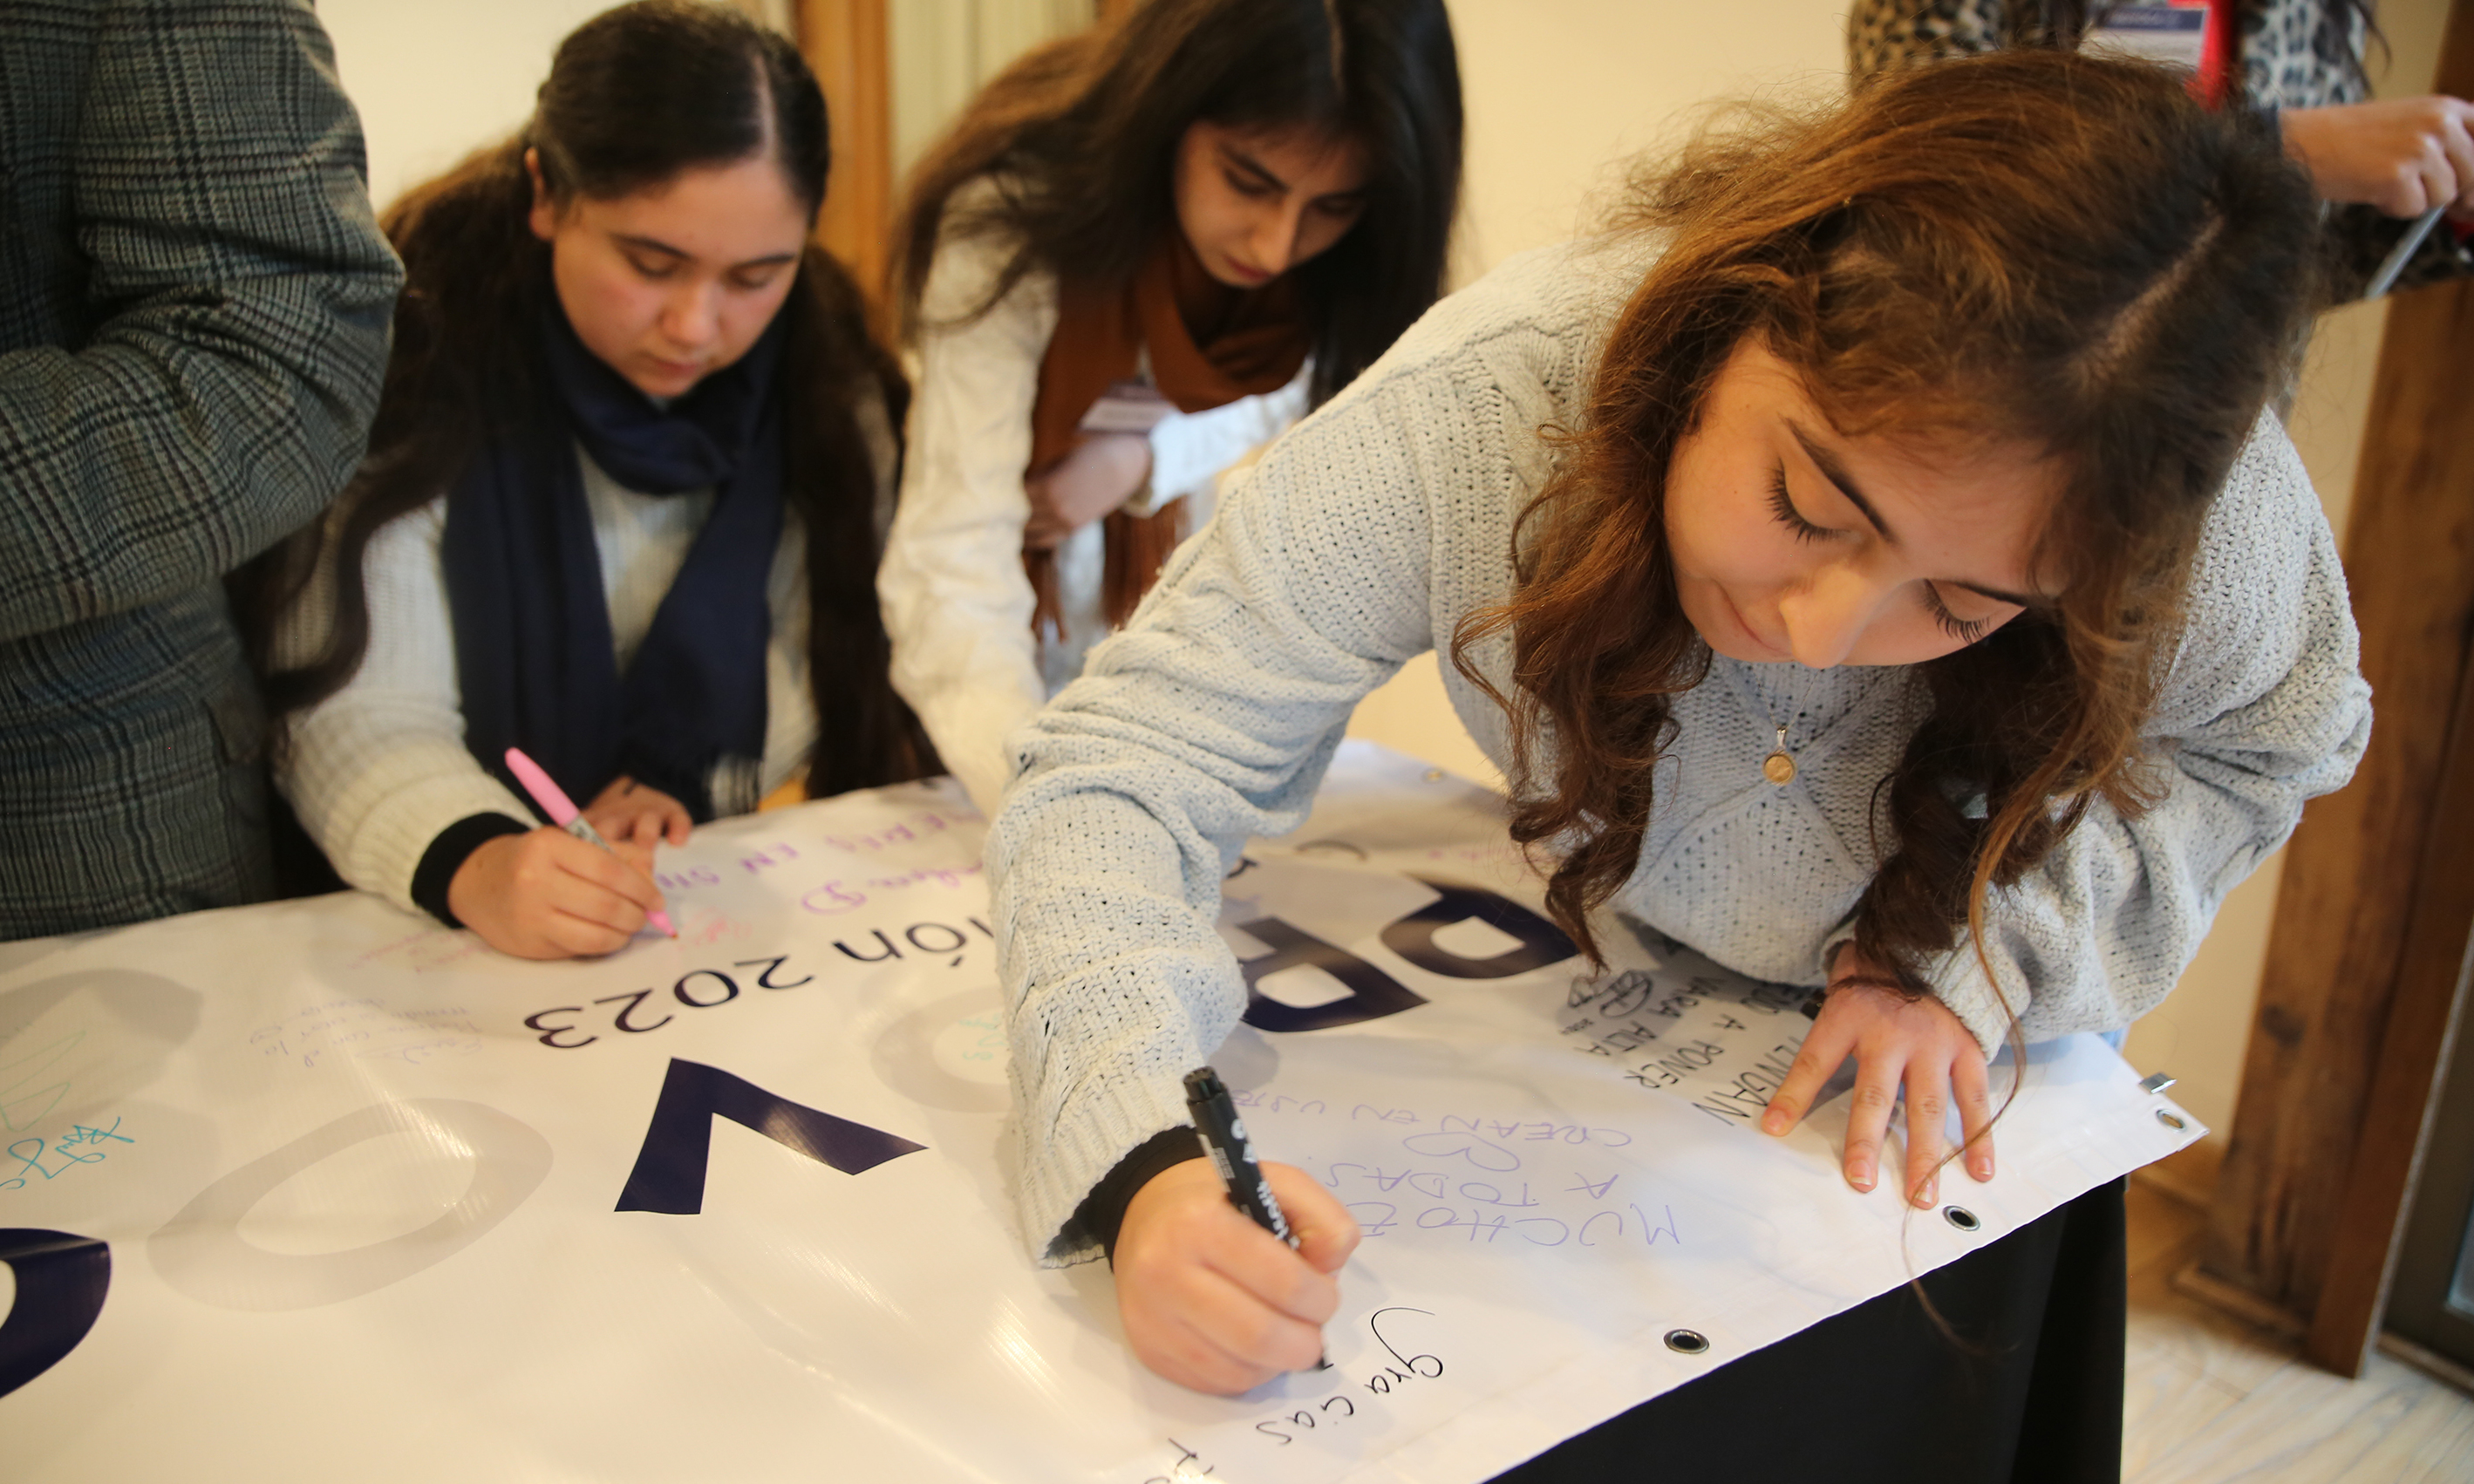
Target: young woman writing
{"type": "Point", "coordinates": [1872, 567]}
{"type": "Point", "coordinates": [1213, 214]}
{"type": "Point", "coordinates": [622, 506]}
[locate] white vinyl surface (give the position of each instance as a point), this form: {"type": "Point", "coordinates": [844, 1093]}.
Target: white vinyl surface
{"type": "Point", "coordinates": [359, 1181]}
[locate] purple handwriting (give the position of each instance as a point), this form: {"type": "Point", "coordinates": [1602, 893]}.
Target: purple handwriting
{"type": "Point", "coordinates": [1533, 1130]}
{"type": "Point", "coordinates": [927, 824]}
{"type": "Point", "coordinates": [1605, 1228]}
{"type": "Point", "coordinates": [362, 1027]}
{"type": "Point", "coordinates": [839, 895]}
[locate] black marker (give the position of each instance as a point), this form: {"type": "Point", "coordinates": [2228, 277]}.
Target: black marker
{"type": "Point", "coordinates": [1232, 1155]}
{"type": "Point", "coordinates": [1226, 1146]}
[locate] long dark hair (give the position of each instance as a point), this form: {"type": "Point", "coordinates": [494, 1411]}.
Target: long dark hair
{"type": "Point", "coordinates": [2056, 249]}
{"type": "Point", "coordinates": [635, 96]}
{"type": "Point", "coordinates": [1081, 136]}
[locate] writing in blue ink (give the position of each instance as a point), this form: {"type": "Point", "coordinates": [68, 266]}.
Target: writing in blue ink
{"type": "Point", "coordinates": [80, 1145]}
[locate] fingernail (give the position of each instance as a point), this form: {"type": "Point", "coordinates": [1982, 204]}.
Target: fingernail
{"type": "Point", "coordinates": [1983, 1168]}
{"type": "Point", "coordinates": [1860, 1176]}
{"type": "Point", "coordinates": [1925, 1192]}
{"type": "Point", "coordinates": [1774, 1122]}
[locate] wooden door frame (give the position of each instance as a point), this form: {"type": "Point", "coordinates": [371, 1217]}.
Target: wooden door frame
{"type": "Point", "coordinates": [845, 45]}
{"type": "Point", "coordinates": [2409, 1076]}
{"type": "Point", "coordinates": [2372, 917]}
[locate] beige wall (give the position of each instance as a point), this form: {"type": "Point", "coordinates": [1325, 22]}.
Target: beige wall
{"type": "Point", "coordinates": [942, 50]}
{"type": "Point", "coordinates": [436, 79]}
{"type": "Point", "coordinates": [1560, 92]}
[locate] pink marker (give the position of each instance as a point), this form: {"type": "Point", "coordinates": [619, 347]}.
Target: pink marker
{"type": "Point", "coordinates": [564, 814]}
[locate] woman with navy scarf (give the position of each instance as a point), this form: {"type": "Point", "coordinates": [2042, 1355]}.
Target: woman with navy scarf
{"type": "Point", "coordinates": [622, 509]}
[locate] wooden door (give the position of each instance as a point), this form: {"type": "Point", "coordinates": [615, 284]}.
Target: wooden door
{"type": "Point", "coordinates": [2374, 912]}
{"type": "Point", "coordinates": [845, 41]}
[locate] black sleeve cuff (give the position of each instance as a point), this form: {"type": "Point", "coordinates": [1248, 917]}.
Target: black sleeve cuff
{"type": "Point", "coordinates": [447, 855]}
{"type": "Point", "coordinates": [1104, 1210]}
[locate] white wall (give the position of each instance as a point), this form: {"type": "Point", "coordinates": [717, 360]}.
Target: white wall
{"type": "Point", "coordinates": [941, 51]}
{"type": "Point", "coordinates": [437, 79]}
{"type": "Point", "coordinates": [1560, 92]}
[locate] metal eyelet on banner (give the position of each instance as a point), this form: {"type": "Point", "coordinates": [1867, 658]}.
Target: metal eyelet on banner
{"type": "Point", "coordinates": [1687, 1342]}
{"type": "Point", "coordinates": [1962, 1218]}
{"type": "Point", "coordinates": [2157, 1082]}
{"type": "Point", "coordinates": [2170, 1119]}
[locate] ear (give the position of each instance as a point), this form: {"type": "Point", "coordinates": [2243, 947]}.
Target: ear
{"type": "Point", "coordinates": [544, 213]}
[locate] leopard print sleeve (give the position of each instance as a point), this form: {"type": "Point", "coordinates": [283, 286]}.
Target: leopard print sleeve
{"type": "Point", "coordinates": [2295, 53]}
{"type": "Point", "coordinates": [2302, 53]}
{"type": "Point", "coordinates": [1884, 35]}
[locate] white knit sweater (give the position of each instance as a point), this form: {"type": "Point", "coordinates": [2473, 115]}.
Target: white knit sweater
{"type": "Point", "coordinates": [1365, 535]}
{"type": "Point", "coordinates": [377, 769]}
{"type": "Point", "coordinates": [957, 601]}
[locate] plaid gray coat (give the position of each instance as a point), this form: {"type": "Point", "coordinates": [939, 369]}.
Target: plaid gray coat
{"type": "Point", "coordinates": [194, 308]}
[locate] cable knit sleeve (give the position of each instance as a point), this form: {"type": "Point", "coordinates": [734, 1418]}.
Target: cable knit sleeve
{"type": "Point", "coordinates": [1210, 719]}
{"type": "Point", "coordinates": [377, 770]}
{"type": "Point", "coordinates": [957, 601]}
{"type": "Point", "coordinates": [1189, 450]}
{"type": "Point", "coordinates": [2265, 707]}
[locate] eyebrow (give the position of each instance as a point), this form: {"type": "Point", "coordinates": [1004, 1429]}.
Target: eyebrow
{"type": "Point", "coordinates": [1251, 166]}
{"type": "Point", "coordinates": [1239, 159]}
{"type": "Point", "coordinates": [657, 245]}
{"type": "Point", "coordinates": [2014, 599]}
{"type": "Point", "coordinates": [1835, 472]}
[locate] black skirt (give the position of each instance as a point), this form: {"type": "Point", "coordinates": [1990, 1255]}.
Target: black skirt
{"type": "Point", "coordinates": [2031, 1395]}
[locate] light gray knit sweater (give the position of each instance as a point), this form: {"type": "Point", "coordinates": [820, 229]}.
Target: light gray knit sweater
{"type": "Point", "coordinates": [1364, 536]}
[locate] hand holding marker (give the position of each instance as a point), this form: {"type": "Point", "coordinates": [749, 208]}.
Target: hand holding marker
{"type": "Point", "coordinates": [564, 814]}
{"type": "Point", "coordinates": [1226, 1145]}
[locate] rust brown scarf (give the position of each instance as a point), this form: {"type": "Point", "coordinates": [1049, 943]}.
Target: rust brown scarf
{"type": "Point", "coordinates": [1209, 346]}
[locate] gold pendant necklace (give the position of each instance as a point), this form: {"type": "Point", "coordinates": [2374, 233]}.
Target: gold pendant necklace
{"type": "Point", "coordinates": [1779, 767]}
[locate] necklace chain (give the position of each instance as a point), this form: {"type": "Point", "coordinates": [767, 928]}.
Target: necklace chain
{"type": "Point", "coordinates": [1779, 766]}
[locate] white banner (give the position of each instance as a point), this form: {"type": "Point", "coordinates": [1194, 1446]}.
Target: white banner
{"type": "Point", "coordinates": [315, 1190]}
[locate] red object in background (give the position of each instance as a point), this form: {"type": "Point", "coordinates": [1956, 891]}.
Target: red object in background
{"type": "Point", "coordinates": [2219, 56]}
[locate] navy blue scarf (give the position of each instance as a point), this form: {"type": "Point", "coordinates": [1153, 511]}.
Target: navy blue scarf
{"type": "Point", "coordinates": [533, 649]}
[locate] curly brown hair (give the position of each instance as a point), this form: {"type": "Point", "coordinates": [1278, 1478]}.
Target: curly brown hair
{"type": "Point", "coordinates": [2056, 251]}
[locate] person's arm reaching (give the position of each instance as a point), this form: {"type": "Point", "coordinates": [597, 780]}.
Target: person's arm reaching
{"type": "Point", "coordinates": [1190, 449]}
{"type": "Point", "coordinates": [379, 776]}
{"type": "Point", "coordinates": [957, 601]}
{"type": "Point", "coordinates": [1211, 719]}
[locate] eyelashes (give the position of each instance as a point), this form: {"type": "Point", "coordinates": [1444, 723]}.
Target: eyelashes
{"type": "Point", "coordinates": [1783, 507]}
{"type": "Point", "coordinates": [1966, 631]}
{"type": "Point", "coordinates": [1247, 186]}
